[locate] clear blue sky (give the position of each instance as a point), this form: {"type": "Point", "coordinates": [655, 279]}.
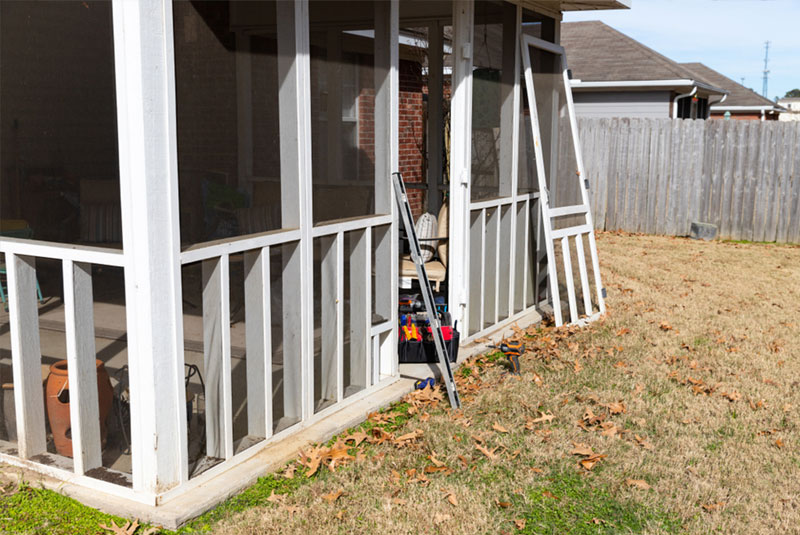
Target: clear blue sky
{"type": "Point", "coordinates": [726, 35]}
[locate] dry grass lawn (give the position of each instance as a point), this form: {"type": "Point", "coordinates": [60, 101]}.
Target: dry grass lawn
{"type": "Point", "coordinates": [682, 403]}
{"type": "Point", "coordinates": [689, 387]}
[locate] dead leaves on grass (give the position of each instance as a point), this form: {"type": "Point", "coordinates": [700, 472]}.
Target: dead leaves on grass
{"type": "Point", "coordinates": [590, 458]}
{"type": "Point", "coordinates": [637, 483]}
{"type": "Point", "coordinates": [128, 529]}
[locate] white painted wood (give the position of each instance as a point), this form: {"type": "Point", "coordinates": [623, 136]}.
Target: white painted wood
{"type": "Point", "coordinates": [294, 97]}
{"type": "Point", "coordinates": [329, 319]}
{"type": "Point", "coordinates": [483, 264]}
{"type": "Point", "coordinates": [460, 158]}
{"type": "Point", "coordinates": [570, 231]}
{"type": "Point", "coordinates": [231, 246]}
{"type": "Point", "coordinates": [360, 305]}
{"type": "Point", "coordinates": [543, 193]}
{"type": "Point", "coordinates": [491, 203]}
{"type": "Point", "coordinates": [513, 274]}
{"type": "Point", "coordinates": [145, 97]}
{"type": "Point", "coordinates": [339, 295]}
{"type": "Point", "coordinates": [82, 372]}
{"type": "Point", "coordinates": [258, 340]}
{"type": "Point", "coordinates": [585, 290]}
{"type": "Point", "coordinates": [60, 251]}
{"type": "Point", "coordinates": [26, 356]}
{"type": "Point", "coordinates": [568, 210]}
{"type": "Point", "coordinates": [217, 357]}
{"type": "Point", "coordinates": [348, 225]}
{"type": "Point", "coordinates": [566, 253]}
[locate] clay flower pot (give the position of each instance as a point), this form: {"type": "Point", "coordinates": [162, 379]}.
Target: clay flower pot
{"type": "Point", "coordinates": [58, 406]}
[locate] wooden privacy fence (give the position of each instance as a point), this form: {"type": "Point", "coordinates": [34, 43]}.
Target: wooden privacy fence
{"type": "Point", "coordinates": [657, 176]}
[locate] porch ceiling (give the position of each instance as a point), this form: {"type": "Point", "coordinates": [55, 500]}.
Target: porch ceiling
{"type": "Point", "coordinates": [576, 5]}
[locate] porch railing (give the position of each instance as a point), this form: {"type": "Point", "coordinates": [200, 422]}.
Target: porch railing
{"type": "Point", "coordinates": [26, 356]}
{"type": "Point", "coordinates": [504, 274]}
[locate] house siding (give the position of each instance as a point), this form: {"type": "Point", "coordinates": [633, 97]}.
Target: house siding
{"type": "Point", "coordinates": [644, 104]}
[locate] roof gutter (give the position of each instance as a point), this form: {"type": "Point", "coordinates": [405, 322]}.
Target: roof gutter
{"type": "Point", "coordinates": [679, 97]}
{"type": "Point", "coordinates": [647, 84]}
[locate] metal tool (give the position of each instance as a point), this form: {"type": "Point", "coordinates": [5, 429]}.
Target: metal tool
{"type": "Point", "coordinates": [512, 350]}
{"type": "Point", "coordinates": [425, 287]}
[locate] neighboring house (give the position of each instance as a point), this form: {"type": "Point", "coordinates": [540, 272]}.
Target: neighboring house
{"type": "Point", "coordinates": [741, 102]}
{"type": "Point", "coordinates": [791, 111]}
{"type": "Point", "coordinates": [202, 191]}
{"type": "Point", "coordinates": [614, 75]}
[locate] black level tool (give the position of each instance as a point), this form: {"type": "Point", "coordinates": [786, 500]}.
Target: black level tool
{"type": "Point", "coordinates": [512, 350]}
{"type": "Point", "coordinates": [425, 288]}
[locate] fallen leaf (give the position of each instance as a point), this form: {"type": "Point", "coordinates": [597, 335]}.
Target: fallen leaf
{"type": "Point", "coordinates": [623, 331]}
{"type": "Point", "coordinates": [487, 452]}
{"type": "Point", "coordinates": [596, 521]}
{"type": "Point", "coordinates": [128, 529]}
{"type": "Point", "coordinates": [616, 407]}
{"type": "Point", "coordinates": [643, 442]}
{"type": "Point", "coordinates": [664, 326]}
{"type": "Point", "coordinates": [439, 518]}
{"type": "Point", "coordinates": [731, 396]}
{"type": "Point", "coordinates": [537, 380]}
{"type": "Point", "coordinates": [432, 458]}
{"type": "Point", "coordinates": [504, 505]}
{"type": "Point", "coordinates": [340, 514]}
{"type": "Point", "coordinates": [519, 523]}
{"type": "Point", "coordinates": [638, 483]}
{"type": "Point", "coordinates": [289, 473]}
{"type": "Point", "coordinates": [589, 462]}
{"type": "Point", "coordinates": [713, 506]}
{"type": "Point", "coordinates": [581, 449]}
{"type": "Point", "coordinates": [779, 443]}
{"type": "Point", "coordinates": [549, 494]}
{"type": "Point", "coordinates": [452, 499]}
{"type": "Point", "coordinates": [276, 498]}
{"type": "Point", "coordinates": [357, 437]}
{"type": "Point", "coordinates": [332, 496]}
{"type": "Point", "coordinates": [499, 428]}
{"type": "Point", "coordinates": [292, 509]}
{"type": "Point", "coordinates": [399, 501]}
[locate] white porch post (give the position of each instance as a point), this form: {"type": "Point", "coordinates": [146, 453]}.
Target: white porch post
{"type": "Point", "coordinates": [145, 84]}
{"type": "Point", "coordinates": [294, 71]}
{"type": "Point", "coordinates": [460, 157]}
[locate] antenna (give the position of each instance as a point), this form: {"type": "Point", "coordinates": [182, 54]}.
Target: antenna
{"type": "Point", "coordinates": [742, 80]}
{"type": "Point", "coordinates": [766, 70]}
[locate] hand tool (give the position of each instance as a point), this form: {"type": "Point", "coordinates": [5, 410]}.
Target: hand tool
{"type": "Point", "coordinates": [422, 383]}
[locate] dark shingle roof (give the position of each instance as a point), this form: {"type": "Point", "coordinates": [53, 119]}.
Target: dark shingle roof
{"type": "Point", "coordinates": [597, 52]}
{"type": "Point", "coordinates": [738, 95]}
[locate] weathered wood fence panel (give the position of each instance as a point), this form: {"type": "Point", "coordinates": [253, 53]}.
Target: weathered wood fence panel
{"type": "Point", "coordinates": [657, 176]}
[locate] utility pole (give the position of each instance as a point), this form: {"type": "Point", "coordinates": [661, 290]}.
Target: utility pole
{"type": "Point", "coordinates": [766, 70]}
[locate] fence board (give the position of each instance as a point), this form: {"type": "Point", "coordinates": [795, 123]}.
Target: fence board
{"type": "Point", "coordinates": [659, 175]}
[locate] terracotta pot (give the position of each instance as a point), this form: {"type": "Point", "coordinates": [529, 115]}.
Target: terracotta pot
{"type": "Point", "coordinates": [57, 391]}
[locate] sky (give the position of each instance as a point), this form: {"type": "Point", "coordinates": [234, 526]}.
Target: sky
{"type": "Point", "coordinates": [726, 35]}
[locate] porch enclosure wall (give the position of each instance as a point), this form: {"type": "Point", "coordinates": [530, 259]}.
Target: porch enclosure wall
{"type": "Point", "coordinates": [657, 176]}
{"type": "Point", "coordinates": [505, 274]}
{"type": "Point", "coordinates": [251, 223]}
{"type": "Point", "coordinates": [260, 242]}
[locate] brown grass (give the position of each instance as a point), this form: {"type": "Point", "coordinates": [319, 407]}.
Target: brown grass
{"type": "Point", "coordinates": [700, 345]}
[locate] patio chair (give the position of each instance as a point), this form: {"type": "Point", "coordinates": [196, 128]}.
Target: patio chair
{"type": "Point", "coordinates": [14, 228]}
{"type": "Point", "coordinates": [437, 269]}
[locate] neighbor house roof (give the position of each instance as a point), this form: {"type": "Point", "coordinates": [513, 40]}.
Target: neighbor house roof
{"type": "Point", "coordinates": [739, 97]}
{"type": "Point", "coordinates": [602, 57]}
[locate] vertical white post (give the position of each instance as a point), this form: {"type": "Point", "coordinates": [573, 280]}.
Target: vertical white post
{"type": "Point", "coordinates": [294, 97]}
{"type": "Point", "coordinates": [258, 339]}
{"type": "Point", "coordinates": [26, 355]}
{"type": "Point", "coordinates": [84, 410]}
{"type": "Point", "coordinates": [145, 86]}
{"type": "Point", "coordinates": [387, 65]}
{"type": "Point", "coordinates": [515, 143]}
{"type": "Point", "coordinates": [329, 322]}
{"type": "Point", "coordinates": [460, 158]}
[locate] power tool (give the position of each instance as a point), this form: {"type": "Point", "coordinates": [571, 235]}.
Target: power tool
{"type": "Point", "coordinates": [512, 350]}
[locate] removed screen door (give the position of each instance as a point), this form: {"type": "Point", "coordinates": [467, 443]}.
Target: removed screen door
{"type": "Point", "coordinates": [566, 216]}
